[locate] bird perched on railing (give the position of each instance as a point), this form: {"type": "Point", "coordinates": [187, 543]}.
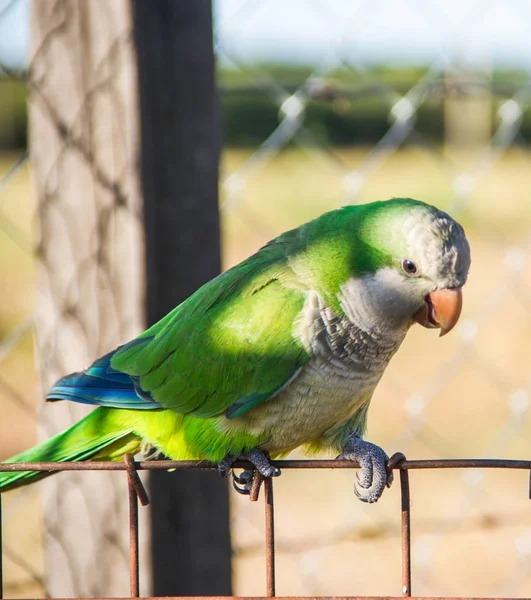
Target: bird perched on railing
{"type": "Point", "coordinates": [283, 350]}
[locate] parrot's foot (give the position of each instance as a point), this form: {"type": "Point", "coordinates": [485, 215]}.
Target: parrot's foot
{"type": "Point", "coordinates": [374, 476]}
{"type": "Point", "coordinates": [242, 483]}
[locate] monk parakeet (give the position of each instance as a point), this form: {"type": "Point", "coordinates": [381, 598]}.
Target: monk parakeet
{"type": "Point", "coordinates": [281, 351]}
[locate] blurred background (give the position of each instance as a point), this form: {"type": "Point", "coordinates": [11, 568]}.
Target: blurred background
{"type": "Point", "coordinates": [321, 104]}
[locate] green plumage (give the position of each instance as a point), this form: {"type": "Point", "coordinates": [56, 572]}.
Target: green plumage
{"type": "Point", "coordinates": [239, 341]}
{"type": "Point", "coordinates": [98, 435]}
{"type": "Point", "coordinates": [229, 369]}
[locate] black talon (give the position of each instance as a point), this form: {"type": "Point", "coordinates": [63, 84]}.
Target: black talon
{"type": "Point", "coordinates": [244, 489]}
{"type": "Point", "coordinates": [242, 483]}
{"type": "Point", "coordinates": [245, 477]}
{"type": "Point", "coordinates": [237, 479]}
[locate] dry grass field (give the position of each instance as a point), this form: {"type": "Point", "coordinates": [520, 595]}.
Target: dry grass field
{"type": "Point", "coordinates": [462, 396]}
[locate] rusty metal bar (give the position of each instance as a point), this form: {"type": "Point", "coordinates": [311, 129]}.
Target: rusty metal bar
{"type": "Point", "coordinates": [137, 492]}
{"type": "Point", "coordinates": [406, 533]}
{"type": "Point", "coordinates": [140, 490]}
{"type": "Point", "coordinates": [269, 536]}
{"type": "Point", "coordinates": [182, 465]}
{"type": "Point", "coordinates": [134, 571]}
{"type": "Point", "coordinates": [443, 463]}
{"type": "Point", "coordinates": [258, 479]}
{"type": "Point", "coordinates": [302, 598]}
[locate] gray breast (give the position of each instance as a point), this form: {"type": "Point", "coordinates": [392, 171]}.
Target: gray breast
{"type": "Point", "coordinates": [337, 339]}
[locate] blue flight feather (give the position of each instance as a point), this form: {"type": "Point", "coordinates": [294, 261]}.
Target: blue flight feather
{"type": "Point", "coordinates": [101, 385]}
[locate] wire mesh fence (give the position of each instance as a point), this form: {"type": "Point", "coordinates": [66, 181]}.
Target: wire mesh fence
{"type": "Point", "coordinates": [18, 378]}
{"type": "Point", "coordinates": [467, 395]}
{"type": "Point", "coordinates": [91, 225]}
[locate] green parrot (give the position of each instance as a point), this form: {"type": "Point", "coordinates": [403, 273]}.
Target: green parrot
{"type": "Point", "coordinates": [282, 351]}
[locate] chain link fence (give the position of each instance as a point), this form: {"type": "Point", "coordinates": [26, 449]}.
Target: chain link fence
{"type": "Point", "coordinates": [70, 244]}
{"type": "Point", "coordinates": [22, 548]}
{"type": "Point", "coordinates": [464, 396]}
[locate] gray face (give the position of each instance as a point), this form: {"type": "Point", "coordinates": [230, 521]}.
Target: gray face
{"type": "Point", "coordinates": [435, 255]}
{"type": "Point", "coordinates": [438, 247]}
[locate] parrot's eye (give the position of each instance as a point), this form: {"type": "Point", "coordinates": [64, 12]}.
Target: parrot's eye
{"type": "Point", "coordinates": [409, 267]}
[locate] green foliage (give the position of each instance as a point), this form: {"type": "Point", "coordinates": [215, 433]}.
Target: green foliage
{"type": "Point", "coordinates": [13, 114]}
{"type": "Point", "coordinates": [352, 109]}
{"type": "Point", "coordinates": [249, 117]}
{"type": "Point", "coordinates": [356, 112]}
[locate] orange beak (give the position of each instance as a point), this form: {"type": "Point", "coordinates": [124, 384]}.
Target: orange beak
{"type": "Point", "coordinates": [441, 309]}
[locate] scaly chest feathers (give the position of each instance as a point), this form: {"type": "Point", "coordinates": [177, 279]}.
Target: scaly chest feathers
{"type": "Point", "coordinates": [337, 383]}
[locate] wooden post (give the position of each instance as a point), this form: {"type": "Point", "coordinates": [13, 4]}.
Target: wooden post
{"type": "Point", "coordinates": [84, 146]}
{"type": "Point", "coordinates": [124, 141]}
{"type": "Point", "coordinates": [180, 154]}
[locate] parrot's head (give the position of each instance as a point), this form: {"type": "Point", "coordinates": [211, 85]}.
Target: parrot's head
{"type": "Point", "coordinates": [414, 263]}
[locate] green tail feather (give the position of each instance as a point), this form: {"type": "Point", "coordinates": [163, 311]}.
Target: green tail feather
{"type": "Point", "coordinates": [96, 437]}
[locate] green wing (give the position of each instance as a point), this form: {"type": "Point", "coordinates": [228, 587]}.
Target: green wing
{"type": "Point", "coordinates": [228, 347]}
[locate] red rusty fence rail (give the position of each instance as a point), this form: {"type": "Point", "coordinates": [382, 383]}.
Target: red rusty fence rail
{"type": "Point", "coordinates": [137, 492]}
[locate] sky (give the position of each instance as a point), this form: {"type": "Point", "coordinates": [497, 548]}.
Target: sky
{"type": "Point", "coordinates": [483, 33]}
{"type": "Point", "coordinates": [14, 32]}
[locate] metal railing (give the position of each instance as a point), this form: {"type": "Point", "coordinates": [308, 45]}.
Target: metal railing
{"type": "Point", "coordinates": [137, 493]}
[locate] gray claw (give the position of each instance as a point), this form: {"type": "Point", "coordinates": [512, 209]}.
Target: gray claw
{"type": "Point", "coordinates": [366, 496]}
{"type": "Point", "coordinates": [242, 483]}
{"type": "Point", "coordinates": [365, 481]}
{"type": "Point", "coordinates": [225, 465]}
{"type": "Point", "coordinates": [262, 463]}
{"type": "Point", "coordinates": [373, 479]}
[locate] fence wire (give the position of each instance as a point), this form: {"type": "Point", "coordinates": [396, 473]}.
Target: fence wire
{"type": "Point", "coordinates": [466, 395]}
{"type": "Point", "coordinates": [89, 294]}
